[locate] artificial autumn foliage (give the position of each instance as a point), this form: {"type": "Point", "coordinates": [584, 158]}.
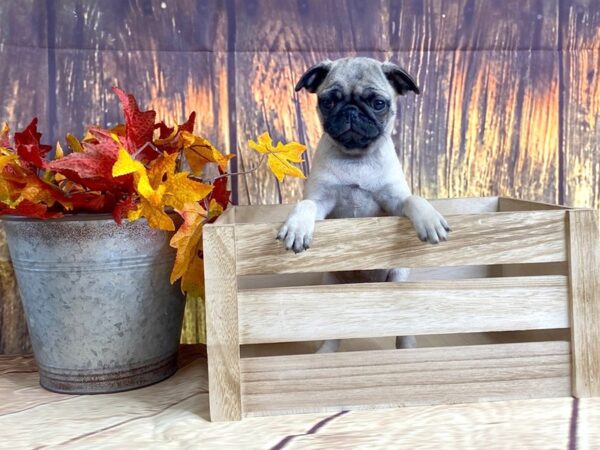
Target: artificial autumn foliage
{"type": "Point", "coordinates": [132, 170]}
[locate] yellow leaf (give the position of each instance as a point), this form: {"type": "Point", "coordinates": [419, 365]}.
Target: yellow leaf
{"type": "Point", "coordinates": [159, 187]}
{"type": "Point", "coordinates": [156, 217]}
{"type": "Point", "coordinates": [125, 165]}
{"type": "Point", "coordinates": [188, 241]}
{"type": "Point", "coordinates": [88, 137]}
{"type": "Point", "coordinates": [192, 281]}
{"type": "Point", "coordinates": [5, 186]}
{"type": "Point", "coordinates": [74, 143]}
{"type": "Point", "coordinates": [181, 190]}
{"type": "Point", "coordinates": [214, 209]}
{"type": "Point", "coordinates": [59, 153]}
{"type": "Point", "coordinates": [280, 157]}
{"type": "Point", "coordinates": [162, 167]}
{"type": "Point", "coordinates": [5, 159]}
{"type": "Point", "coordinates": [199, 152]}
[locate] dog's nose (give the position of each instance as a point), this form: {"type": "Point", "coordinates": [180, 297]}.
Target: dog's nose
{"type": "Point", "coordinates": [351, 112]}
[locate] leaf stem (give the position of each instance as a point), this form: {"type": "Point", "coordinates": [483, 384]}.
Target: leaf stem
{"type": "Point", "coordinates": [253, 169]}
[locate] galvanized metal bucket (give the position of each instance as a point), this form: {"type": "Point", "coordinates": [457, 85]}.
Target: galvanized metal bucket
{"type": "Point", "coordinates": [101, 312]}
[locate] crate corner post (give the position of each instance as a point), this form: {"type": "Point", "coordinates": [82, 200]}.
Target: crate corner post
{"type": "Point", "coordinates": [222, 333]}
{"type": "Point", "coordinates": [584, 276]}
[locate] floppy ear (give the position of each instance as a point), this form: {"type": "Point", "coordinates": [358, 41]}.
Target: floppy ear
{"type": "Point", "coordinates": [314, 76]}
{"type": "Point", "coordinates": [400, 80]}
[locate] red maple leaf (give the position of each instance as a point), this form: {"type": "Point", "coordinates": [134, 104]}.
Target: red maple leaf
{"type": "Point", "coordinates": [28, 146]}
{"type": "Point", "coordinates": [93, 168]}
{"type": "Point", "coordinates": [99, 202]}
{"type": "Point", "coordinates": [220, 193]}
{"type": "Point", "coordinates": [166, 131]}
{"type": "Point", "coordinates": [171, 144]}
{"type": "Point", "coordinates": [139, 125]}
{"type": "Point", "coordinates": [123, 207]}
{"type": "Point", "coordinates": [29, 209]}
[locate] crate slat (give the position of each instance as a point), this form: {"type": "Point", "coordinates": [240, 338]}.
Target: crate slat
{"type": "Point", "coordinates": [441, 375]}
{"type": "Point", "coordinates": [584, 273]}
{"type": "Point", "coordinates": [387, 242]}
{"type": "Point", "coordinates": [411, 308]}
{"type": "Point", "coordinates": [223, 346]}
{"type": "Point", "coordinates": [446, 206]}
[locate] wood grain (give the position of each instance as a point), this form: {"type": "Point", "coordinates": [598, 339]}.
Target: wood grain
{"type": "Point", "coordinates": [522, 377]}
{"type": "Point", "coordinates": [506, 204]}
{"type": "Point", "coordinates": [340, 244]}
{"type": "Point", "coordinates": [409, 308]}
{"type": "Point", "coordinates": [175, 413]}
{"type": "Point", "coordinates": [534, 424]}
{"type": "Point", "coordinates": [88, 414]}
{"type": "Point", "coordinates": [24, 81]}
{"type": "Point", "coordinates": [584, 276]}
{"type": "Point", "coordinates": [152, 25]}
{"type": "Point", "coordinates": [279, 213]}
{"type": "Point", "coordinates": [580, 102]}
{"type": "Point", "coordinates": [509, 102]}
{"type": "Point", "coordinates": [223, 345]}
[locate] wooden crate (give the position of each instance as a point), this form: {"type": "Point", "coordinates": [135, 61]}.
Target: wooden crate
{"type": "Point", "coordinates": [530, 266]}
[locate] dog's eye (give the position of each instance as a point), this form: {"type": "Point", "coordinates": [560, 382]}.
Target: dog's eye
{"type": "Point", "coordinates": [379, 105]}
{"type": "Point", "coordinates": [327, 103]}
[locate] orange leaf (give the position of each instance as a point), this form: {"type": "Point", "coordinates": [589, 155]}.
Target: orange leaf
{"type": "Point", "coordinates": [199, 152]}
{"type": "Point", "coordinates": [188, 242]}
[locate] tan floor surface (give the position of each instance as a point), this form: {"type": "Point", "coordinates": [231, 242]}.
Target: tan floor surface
{"type": "Point", "coordinates": [174, 414]}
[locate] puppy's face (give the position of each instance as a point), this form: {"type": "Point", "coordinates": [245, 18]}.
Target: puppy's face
{"type": "Point", "coordinates": [356, 99]}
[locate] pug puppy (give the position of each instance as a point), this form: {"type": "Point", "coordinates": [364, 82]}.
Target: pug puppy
{"type": "Point", "coordinates": [355, 171]}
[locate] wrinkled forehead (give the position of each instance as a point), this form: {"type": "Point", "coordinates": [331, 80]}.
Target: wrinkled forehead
{"type": "Point", "coordinates": [357, 77]}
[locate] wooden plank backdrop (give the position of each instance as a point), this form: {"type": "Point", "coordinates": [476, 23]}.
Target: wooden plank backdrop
{"type": "Point", "coordinates": [510, 101]}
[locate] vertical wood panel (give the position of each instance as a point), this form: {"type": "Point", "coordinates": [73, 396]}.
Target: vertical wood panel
{"type": "Point", "coordinates": [153, 25]}
{"type": "Point", "coordinates": [223, 339]}
{"type": "Point", "coordinates": [584, 276]}
{"type": "Point", "coordinates": [580, 109]}
{"type": "Point", "coordinates": [502, 136]}
{"type": "Point", "coordinates": [274, 46]}
{"type": "Point", "coordinates": [24, 82]}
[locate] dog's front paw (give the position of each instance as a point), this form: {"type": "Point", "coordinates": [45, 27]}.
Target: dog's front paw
{"type": "Point", "coordinates": [297, 232]}
{"type": "Point", "coordinates": [432, 228]}
{"type": "Point", "coordinates": [429, 224]}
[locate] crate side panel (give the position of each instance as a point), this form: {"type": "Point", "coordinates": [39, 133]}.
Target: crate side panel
{"type": "Point", "coordinates": [409, 308]}
{"type": "Point", "coordinates": [387, 242]}
{"type": "Point", "coordinates": [467, 374]}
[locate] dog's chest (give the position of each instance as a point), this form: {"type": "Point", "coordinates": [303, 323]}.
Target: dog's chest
{"type": "Point", "coordinates": [354, 201]}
